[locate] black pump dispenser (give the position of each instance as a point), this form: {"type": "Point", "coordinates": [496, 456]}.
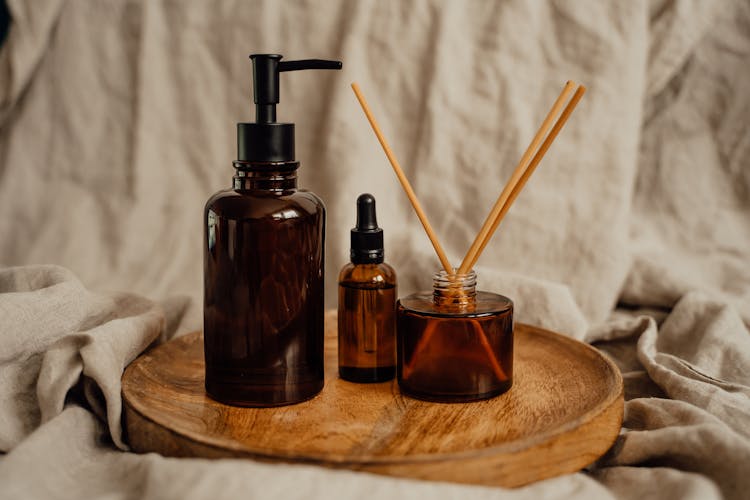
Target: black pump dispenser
{"type": "Point", "coordinates": [367, 237]}
{"type": "Point", "coordinates": [266, 140]}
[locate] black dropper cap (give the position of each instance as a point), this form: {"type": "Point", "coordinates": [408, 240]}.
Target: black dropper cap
{"type": "Point", "coordinates": [267, 140]}
{"type": "Point", "coordinates": [367, 237]}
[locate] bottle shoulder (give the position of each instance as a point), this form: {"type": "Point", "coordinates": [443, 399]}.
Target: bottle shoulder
{"type": "Point", "coordinates": [219, 195]}
{"type": "Point", "coordinates": [379, 275]}
{"type": "Point", "coordinates": [309, 195]}
{"type": "Point", "coordinates": [237, 204]}
{"type": "Point", "coordinates": [487, 304]}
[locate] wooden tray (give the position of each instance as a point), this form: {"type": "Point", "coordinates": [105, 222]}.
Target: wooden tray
{"type": "Point", "coordinates": [563, 412]}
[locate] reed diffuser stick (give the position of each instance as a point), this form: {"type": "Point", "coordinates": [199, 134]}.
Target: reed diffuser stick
{"type": "Point", "coordinates": [514, 188]}
{"type": "Point", "coordinates": [404, 181]}
{"type": "Point", "coordinates": [486, 229]}
{"type": "Point", "coordinates": [532, 166]}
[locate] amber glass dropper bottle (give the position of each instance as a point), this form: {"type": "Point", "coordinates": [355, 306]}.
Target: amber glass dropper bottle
{"type": "Point", "coordinates": [367, 304]}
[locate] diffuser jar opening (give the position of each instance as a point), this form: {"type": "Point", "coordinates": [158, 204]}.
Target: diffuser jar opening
{"type": "Point", "coordinates": [454, 292]}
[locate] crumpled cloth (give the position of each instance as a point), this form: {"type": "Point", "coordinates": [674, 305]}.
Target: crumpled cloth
{"type": "Point", "coordinates": [64, 348]}
{"type": "Point", "coordinates": [58, 337]}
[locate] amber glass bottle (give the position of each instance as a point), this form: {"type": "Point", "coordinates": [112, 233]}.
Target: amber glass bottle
{"type": "Point", "coordinates": [367, 304]}
{"type": "Point", "coordinates": [263, 316]}
{"type": "Point", "coordinates": [263, 263]}
{"type": "Point", "coordinates": [455, 344]}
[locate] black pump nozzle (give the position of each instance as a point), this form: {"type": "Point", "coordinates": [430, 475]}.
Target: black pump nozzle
{"type": "Point", "coordinates": [266, 69]}
{"type": "Point", "coordinates": [367, 237]}
{"type": "Point", "coordinates": [267, 141]}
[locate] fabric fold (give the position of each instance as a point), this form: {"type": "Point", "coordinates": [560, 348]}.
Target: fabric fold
{"type": "Point", "coordinates": [56, 334]}
{"type": "Point", "coordinates": [701, 355]}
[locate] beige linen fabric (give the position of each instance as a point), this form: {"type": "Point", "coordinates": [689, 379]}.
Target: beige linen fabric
{"type": "Point", "coordinates": [55, 334]}
{"type": "Point", "coordinates": [117, 123]}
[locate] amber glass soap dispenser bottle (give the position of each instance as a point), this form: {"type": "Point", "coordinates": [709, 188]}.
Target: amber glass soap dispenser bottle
{"type": "Point", "coordinates": [263, 263]}
{"type": "Point", "coordinates": [367, 304]}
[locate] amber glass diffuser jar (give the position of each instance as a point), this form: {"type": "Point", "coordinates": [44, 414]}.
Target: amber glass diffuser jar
{"type": "Point", "coordinates": [454, 344]}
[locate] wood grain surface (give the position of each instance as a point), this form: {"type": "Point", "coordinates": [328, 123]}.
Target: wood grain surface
{"type": "Point", "coordinates": [563, 412]}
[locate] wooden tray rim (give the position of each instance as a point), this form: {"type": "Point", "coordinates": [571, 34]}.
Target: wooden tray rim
{"type": "Point", "coordinates": [338, 459]}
